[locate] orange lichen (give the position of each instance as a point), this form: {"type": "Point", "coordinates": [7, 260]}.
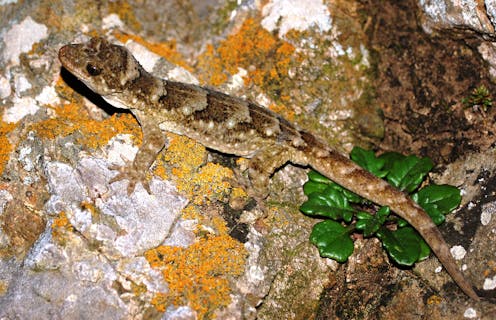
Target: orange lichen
{"type": "Point", "coordinates": [211, 67]}
{"type": "Point", "coordinates": [73, 117]}
{"type": "Point", "coordinates": [210, 182]}
{"type": "Point", "coordinates": [5, 146]}
{"type": "Point", "coordinates": [167, 50]}
{"type": "Point", "coordinates": [490, 269]}
{"type": "Point", "coordinates": [190, 212]}
{"type": "Point", "coordinates": [61, 226]}
{"type": "Point", "coordinates": [183, 156]}
{"type": "Point", "coordinates": [253, 48]}
{"type": "Point", "coordinates": [125, 12]}
{"type": "Point", "coordinates": [434, 300]}
{"type": "Point", "coordinates": [283, 110]}
{"type": "Point", "coordinates": [198, 275]}
{"type": "Point", "coordinates": [238, 193]}
{"type": "Point", "coordinates": [4, 286]}
{"type": "Point", "coordinates": [200, 183]}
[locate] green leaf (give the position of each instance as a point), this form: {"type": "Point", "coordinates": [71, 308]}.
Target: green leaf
{"type": "Point", "coordinates": [438, 200]}
{"type": "Point", "coordinates": [367, 160]}
{"type": "Point", "coordinates": [405, 245]}
{"type": "Point", "coordinates": [446, 198]}
{"type": "Point", "coordinates": [317, 177]}
{"type": "Point", "coordinates": [402, 223]}
{"type": "Point", "coordinates": [349, 195]}
{"type": "Point", "coordinates": [332, 240]}
{"type": "Point", "coordinates": [425, 250]}
{"type": "Point", "coordinates": [332, 205]}
{"type": "Point", "coordinates": [409, 173]}
{"type": "Point", "coordinates": [390, 158]}
{"type": "Point", "coordinates": [369, 223]}
{"type": "Point", "coordinates": [436, 215]}
{"type": "Point", "coordinates": [311, 186]}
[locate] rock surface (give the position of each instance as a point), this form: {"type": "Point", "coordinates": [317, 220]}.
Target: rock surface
{"type": "Point", "coordinates": [75, 246]}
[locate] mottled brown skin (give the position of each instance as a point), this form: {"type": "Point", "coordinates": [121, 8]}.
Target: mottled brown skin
{"type": "Point", "coordinates": [232, 126]}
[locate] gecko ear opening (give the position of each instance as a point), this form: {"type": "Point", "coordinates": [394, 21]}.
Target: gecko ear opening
{"type": "Point", "coordinates": [93, 70]}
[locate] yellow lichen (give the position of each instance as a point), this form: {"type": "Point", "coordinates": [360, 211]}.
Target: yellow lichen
{"type": "Point", "coordinates": [210, 182]}
{"type": "Point", "coordinates": [190, 212]}
{"type": "Point", "coordinates": [60, 227]}
{"type": "Point", "coordinates": [238, 193]}
{"type": "Point", "coordinates": [73, 117]}
{"type": "Point", "coordinates": [138, 289]}
{"type": "Point", "coordinates": [125, 12]}
{"type": "Point", "coordinates": [167, 50]}
{"type": "Point", "coordinates": [200, 183]}
{"type": "Point", "coordinates": [253, 48]}
{"type": "Point", "coordinates": [282, 109]}
{"type": "Point", "coordinates": [91, 208]}
{"type": "Point", "coordinates": [4, 286]}
{"type": "Point", "coordinates": [434, 300]}
{"type": "Point", "coordinates": [211, 67]}
{"type": "Point", "coordinates": [184, 155]}
{"type": "Point", "coordinates": [5, 146]}
{"type": "Point", "coordinates": [198, 275]}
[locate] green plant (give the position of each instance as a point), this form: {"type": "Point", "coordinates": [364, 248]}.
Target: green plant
{"type": "Point", "coordinates": [344, 212]}
{"type": "Point", "coordinates": [479, 98]}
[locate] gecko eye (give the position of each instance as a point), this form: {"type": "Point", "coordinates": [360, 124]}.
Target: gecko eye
{"type": "Point", "coordinates": [93, 70]}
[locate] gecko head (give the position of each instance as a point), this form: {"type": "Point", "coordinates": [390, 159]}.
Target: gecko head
{"type": "Point", "coordinates": [104, 67]}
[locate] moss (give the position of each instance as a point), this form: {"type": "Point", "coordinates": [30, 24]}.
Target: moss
{"type": "Point", "coordinates": [224, 15]}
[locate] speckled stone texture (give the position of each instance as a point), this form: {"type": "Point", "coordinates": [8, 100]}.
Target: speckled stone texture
{"type": "Point", "coordinates": [74, 246]}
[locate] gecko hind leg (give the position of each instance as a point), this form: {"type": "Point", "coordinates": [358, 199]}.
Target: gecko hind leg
{"type": "Point", "coordinates": [260, 168]}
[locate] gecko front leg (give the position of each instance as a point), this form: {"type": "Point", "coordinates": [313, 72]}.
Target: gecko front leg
{"type": "Point", "coordinates": [153, 142]}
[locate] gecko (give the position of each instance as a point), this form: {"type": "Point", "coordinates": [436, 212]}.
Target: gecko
{"type": "Point", "coordinates": [232, 126]}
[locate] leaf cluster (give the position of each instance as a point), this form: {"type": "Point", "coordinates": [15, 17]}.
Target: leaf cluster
{"type": "Point", "coordinates": [345, 213]}
{"type": "Point", "coordinates": [479, 98]}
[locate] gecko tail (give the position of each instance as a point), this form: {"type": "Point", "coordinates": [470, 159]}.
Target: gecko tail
{"type": "Point", "coordinates": [343, 171]}
{"type": "Point", "coordinates": [434, 238]}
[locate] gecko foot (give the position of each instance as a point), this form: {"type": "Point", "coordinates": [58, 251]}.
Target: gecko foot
{"type": "Point", "coordinates": [134, 176]}
{"type": "Point", "coordinates": [241, 181]}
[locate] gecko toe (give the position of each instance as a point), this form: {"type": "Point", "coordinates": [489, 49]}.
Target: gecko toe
{"type": "Point", "coordinates": [133, 176]}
